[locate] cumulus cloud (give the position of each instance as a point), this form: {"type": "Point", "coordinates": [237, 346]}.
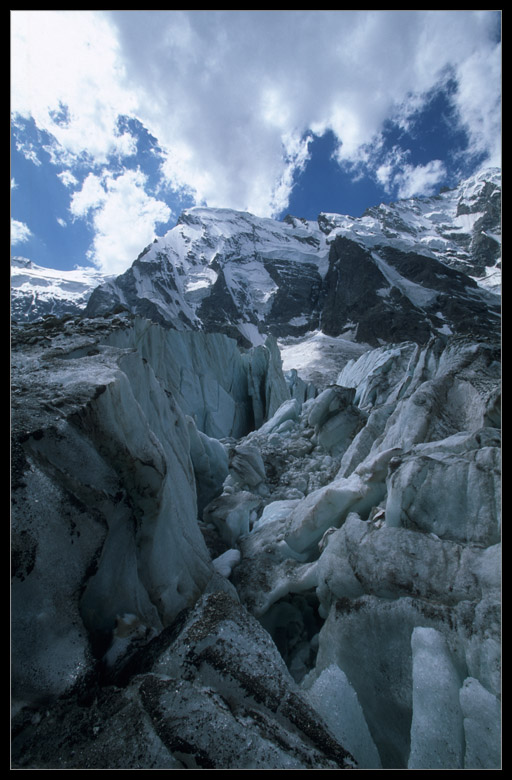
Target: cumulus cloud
{"type": "Point", "coordinates": [478, 102]}
{"type": "Point", "coordinates": [232, 97]}
{"type": "Point", "coordinates": [29, 152]}
{"type": "Point", "coordinates": [123, 216]}
{"type": "Point", "coordinates": [66, 75]}
{"type": "Point", "coordinates": [20, 232]}
{"type": "Point", "coordinates": [420, 179]}
{"type": "Point", "coordinates": [396, 174]}
{"type": "Point", "coordinates": [68, 179]}
{"type": "Point", "coordinates": [222, 90]}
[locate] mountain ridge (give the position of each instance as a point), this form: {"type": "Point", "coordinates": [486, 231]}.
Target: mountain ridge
{"type": "Point", "coordinates": [248, 277]}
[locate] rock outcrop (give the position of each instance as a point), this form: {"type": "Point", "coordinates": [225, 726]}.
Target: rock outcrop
{"type": "Point", "coordinates": [387, 295]}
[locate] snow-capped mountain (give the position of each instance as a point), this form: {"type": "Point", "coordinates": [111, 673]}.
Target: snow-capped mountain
{"type": "Point", "coordinates": [411, 269]}
{"type": "Point", "coordinates": [228, 271]}
{"type": "Point", "coordinates": [461, 227]}
{"type": "Point", "coordinates": [37, 291]}
{"type": "Point", "coordinates": [408, 270]}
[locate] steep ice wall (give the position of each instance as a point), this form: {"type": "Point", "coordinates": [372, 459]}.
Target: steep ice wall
{"type": "Point", "coordinates": [130, 646]}
{"type": "Point", "coordinates": [104, 518]}
{"type": "Point", "coordinates": [227, 393]}
{"type": "Point", "coordinates": [113, 431]}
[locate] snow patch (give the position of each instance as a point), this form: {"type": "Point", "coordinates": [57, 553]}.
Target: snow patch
{"type": "Point", "coordinates": [418, 295]}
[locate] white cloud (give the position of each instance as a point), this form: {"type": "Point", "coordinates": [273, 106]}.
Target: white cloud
{"type": "Point", "coordinates": [478, 102]}
{"type": "Point", "coordinates": [231, 95]}
{"type": "Point", "coordinates": [222, 90]}
{"type": "Point", "coordinates": [123, 216]}
{"type": "Point", "coordinates": [29, 152]}
{"type": "Point", "coordinates": [92, 196]}
{"type": "Point", "coordinates": [384, 174]}
{"type": "Point", "coordinates": [66, 75]}
{"type": "Point", "coordinates": [420, 179]}
{"type": "Point", "coordinates": [68, 179]}
{"type": "Point", "coordinates": [20, 232]}
{"type": "Point", "coordinates": [396, 175]}
{"type": "Point", "coordinates": [393, 163]}
{"type": "Point", "coordinates": [296, 156]}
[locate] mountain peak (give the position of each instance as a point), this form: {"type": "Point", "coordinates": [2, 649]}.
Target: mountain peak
{"type": "Point", "coordinates": [248, 276]}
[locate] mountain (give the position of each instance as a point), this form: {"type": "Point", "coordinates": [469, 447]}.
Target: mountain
{"type": "Point", "coordinates": [407, 270]}
{"type": "Point", "coordinates": [38, 291]}
{"type": "Point", "coordinates": [461, 227]}
{"type": "Point", "coordinates": [256, 506]}
{"type": "Point", "coordinates": [427, 264]}
{"type": "Point", "coordinates": [226, 271]}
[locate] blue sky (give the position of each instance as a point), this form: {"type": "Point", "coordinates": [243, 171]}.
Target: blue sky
{"type": "Point", "coordinates": [121, 119]}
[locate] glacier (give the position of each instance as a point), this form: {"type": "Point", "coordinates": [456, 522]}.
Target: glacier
{"type": "Point", "coordinates": [276, 552]}
{"type": "Point", "coordinates": [130, 515]}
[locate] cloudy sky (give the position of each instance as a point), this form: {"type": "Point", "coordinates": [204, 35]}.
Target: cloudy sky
{"type": "Point", "coordinates": [120, 119]}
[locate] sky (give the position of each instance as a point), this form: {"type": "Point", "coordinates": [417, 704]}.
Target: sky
{"type": "Point", "coordinates": [122, 119]}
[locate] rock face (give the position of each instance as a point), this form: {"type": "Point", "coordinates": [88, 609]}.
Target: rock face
{"type": "Point", "coordinates": [387, 295]}
{"type": "Point", "coordinates": [460, 227]}
{"type": "Point", "coordinates": [218, 565]}
{"type": "Point", "coordinates": [405, 271]}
